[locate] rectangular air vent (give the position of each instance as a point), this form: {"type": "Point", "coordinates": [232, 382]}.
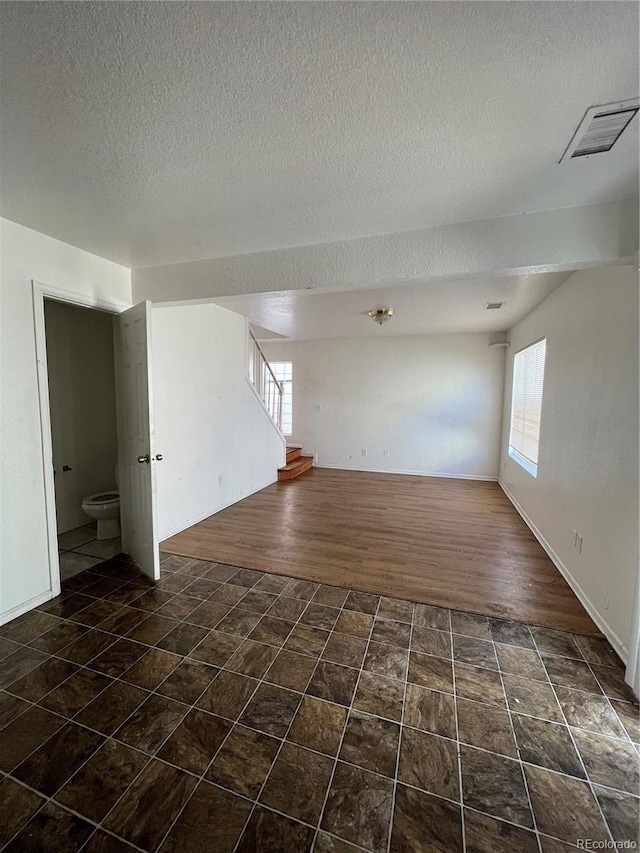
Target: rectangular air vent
{"type": "Point", "coordinates": [600, 129]}
{"type": "Point", "coordinates": [493, 306]}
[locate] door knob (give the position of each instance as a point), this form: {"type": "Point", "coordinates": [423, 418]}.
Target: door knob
{"type": "Point", "coordinates": [144, 458]}
{"type": "Point", "coordinates": [158, 457]}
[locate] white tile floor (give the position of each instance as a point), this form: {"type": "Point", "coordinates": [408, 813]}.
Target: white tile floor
{"type": "Point", "coordinates": [79, 550]}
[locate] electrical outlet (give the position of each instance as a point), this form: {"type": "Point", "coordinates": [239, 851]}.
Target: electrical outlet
{"type": "Point", "coordinates": [605, 598]}
{"type": "Point", "coordinates": [579, 544]}
{"type": "Point", "coordinates": [219, 479]}
{"type": "Point", "coordinates": [318, 407]}
{"type": "Point", "coordinates": [575, 538]}
{"type": "Point", "coordinates": [385, 453]}
{"type": "Point", "coordinates": [364, 451]}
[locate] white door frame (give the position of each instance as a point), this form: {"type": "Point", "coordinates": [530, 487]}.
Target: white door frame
{"type": "Point", "coordinates": [82, 300]}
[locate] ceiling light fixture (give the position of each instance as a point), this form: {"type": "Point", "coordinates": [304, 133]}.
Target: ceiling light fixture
{"type": "Point", "coordinates": [380, 315]}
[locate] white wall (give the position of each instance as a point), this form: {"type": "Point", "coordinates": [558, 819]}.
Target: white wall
{"type": "Point", "coordinates": [26, 255]}
{"type": "Point", "coordinates": [588, 462]}
{"type": "Point", "coordinates": [434, 402]}
{"type": "Point", "coordinates": [82, 403]}
{"type": "Point", "coordinates": [209, 423]}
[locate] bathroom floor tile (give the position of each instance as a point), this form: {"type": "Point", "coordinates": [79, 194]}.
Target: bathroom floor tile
{"type": "Point", "coordinates": [424, 822]}
{"type": "Point", "coordinates": [380, 696]}
{"type": "Point", "coordinates": [195, 741]}
{"type": "Point", "coordinates": [151, 669]}
{"type": "Point", "coordinates": [188, 681]}
{"type": "Point", "coordinates": [270, 714]}
{"type": "Point", "coordinates": [24, 734]}
{"type": "Point", "coordinates": [486, 727]}
{"type": "Point", "coordinates": [609, 762]}
{"type": "Point", "coordinates": [430, 711]}
{"type": "Point", "coordinates": [297, 783]}
{"type": "Point", "coordinates": [494, 784]}
{"type": "Point", "coordinates": [267, 830]}
{"type": "Point", "coordinates": [53, 828]}
{"type": "Point", "coordinates": [371, 742]}
{"type": "Point", "coordinates": [291, 670]}
{"type": "Point", "coordinates": [333, 682]}
{"type": "Point", "coordinates": [271, 710]}
{"type": "Point", "coordinates": [244, 760]}
{"type": "Point", "coordinates": [359, 807]}
{"type": "Point", "coordinates": [99, 784]}
{"type": "Point", "coordinates": [102, 548]}
{"type": "Point", "coordinates": [227, 695]}
{"type": "Point", "coordinates": [429, 762]}
{"type": "Point", "coordinates": [484, 834]}
{"type": "Point", "coordinates": [58, 758]}
{"type": "Point", "coordinates": [578, 816]}
{"type": "Point", "coordinates": [216, 648]}
{"type": "Point", "coordinates": [75, 693]}
{"type": "Point", "coordinates": [621, 813]}
{"type": "Point", "coordinates": [17, 806]}
{"type": "Point", "coordinates": [318, 725]}
{"type": "Point", "coordinates": [212, 820]}
{"type": "Point", "coordinates": [137, 817]}
{"type": "Point", "coordinates": [535, 698]}
{"type": "Point", "coordinates": [151, 723]}
{"type": "Point", "coordinates": [546, 744]}
{"type": "Point", "coordinates": [112, 707]}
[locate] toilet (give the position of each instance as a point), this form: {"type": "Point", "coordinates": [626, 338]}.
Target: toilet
{"type": "Point", "coordinates": [105, 508]}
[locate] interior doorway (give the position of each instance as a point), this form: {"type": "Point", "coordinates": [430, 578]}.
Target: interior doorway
{"type": "Point", "coordinates": [82, 405]}
{"type": "Point", "coordinates": [136, 452]}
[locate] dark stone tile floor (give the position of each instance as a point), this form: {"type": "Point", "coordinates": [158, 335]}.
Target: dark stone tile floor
{"type": "Point", "coordinates": [230, 711]}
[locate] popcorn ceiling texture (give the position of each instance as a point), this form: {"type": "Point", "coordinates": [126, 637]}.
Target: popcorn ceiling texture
{"type": "Point", "coordinates": [156, 133]}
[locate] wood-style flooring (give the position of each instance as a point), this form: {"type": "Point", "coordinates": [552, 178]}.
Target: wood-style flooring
{"type": "Point", "coordinates": [452, 543]}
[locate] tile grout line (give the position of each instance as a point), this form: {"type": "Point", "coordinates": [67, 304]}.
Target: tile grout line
{"type": "Point", "coordinates": [517, 746]}
{"type": "Point", "coordinates": [260, 682]}
{"type": "Point", "coordinates": [185, 657]}
{"type": "Point", "coordinates": [401, 727]}
{"type": "Point", "coordinates": [587, 777]}
{"type": "Point", "coordinates": [284, 739]}
{"type": "Point", "coordinates": [458, 743]}
{"type": "Point", "coordinates": [344, 731]}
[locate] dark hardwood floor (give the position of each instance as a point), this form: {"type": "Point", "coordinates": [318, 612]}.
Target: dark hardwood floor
{"type": "Point", "coordinates": [452, 543]}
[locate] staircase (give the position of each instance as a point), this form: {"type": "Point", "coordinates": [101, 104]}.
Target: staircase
{"type": "Point", "coordinates": [296, 465]}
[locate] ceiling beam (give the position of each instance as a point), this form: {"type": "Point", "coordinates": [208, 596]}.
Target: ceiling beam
{"type": "Point", "coordinates": [595, 235]}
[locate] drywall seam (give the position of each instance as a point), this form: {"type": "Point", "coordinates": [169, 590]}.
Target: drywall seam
{"type": "Point", "coordinates": [407, 471]}
{"type": "Point", "coordinates": [201, 516]}
{"type": "Point", "coordinates": [602, 624]}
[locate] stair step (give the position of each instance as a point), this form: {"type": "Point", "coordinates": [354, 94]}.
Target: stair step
{"type": "Point", "coordinates": [295, 468]}
{"type": "Point", "coordinates": [293, 453]}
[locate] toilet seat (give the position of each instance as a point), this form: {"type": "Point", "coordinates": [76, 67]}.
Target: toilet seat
{"type": "Point", "coordinates": [102, 498]}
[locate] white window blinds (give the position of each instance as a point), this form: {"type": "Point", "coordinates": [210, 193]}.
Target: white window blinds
{"type": "Point", "coordinates": [526, 405]}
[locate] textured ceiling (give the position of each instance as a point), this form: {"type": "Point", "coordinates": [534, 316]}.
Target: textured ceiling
{"type": "Point", "coordinates": [155, 133]}
{"type": "Point", "coordinates": [453, 307]}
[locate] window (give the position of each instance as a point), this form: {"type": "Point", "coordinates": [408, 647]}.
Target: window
{"type": "Point", "coordinates": [283, 371]}
{"type": "Point", "coordinates": [526, 405]}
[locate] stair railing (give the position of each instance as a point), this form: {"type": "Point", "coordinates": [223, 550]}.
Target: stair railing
{"type": "Point", "coordinates": [268, 388]}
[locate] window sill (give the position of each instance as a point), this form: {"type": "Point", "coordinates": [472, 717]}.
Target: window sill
{"type": "Point", "coordinates": [529, 467]}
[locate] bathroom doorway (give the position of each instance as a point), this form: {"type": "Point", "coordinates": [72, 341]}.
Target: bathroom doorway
{"type": "Point", "coordinates": [82, 406]}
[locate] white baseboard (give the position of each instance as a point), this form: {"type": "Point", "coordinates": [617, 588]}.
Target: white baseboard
{"type": "Point", "coordinates": [581, 595]}
{"type": "Point", "coordinates": [9, 615]}
{"type": "Point", "coordinates": [406, 471]}
{"type": "Point", "coordinates": [184, 525]}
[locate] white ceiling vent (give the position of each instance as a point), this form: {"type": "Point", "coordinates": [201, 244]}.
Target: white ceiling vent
{"type": "Point", "coordinates": [493, 306]}
{"type": "Point", "coordinates": [600, 128]}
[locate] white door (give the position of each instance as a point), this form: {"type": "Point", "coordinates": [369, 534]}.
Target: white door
{"type": "Point", "coordinates": [137, 457]}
